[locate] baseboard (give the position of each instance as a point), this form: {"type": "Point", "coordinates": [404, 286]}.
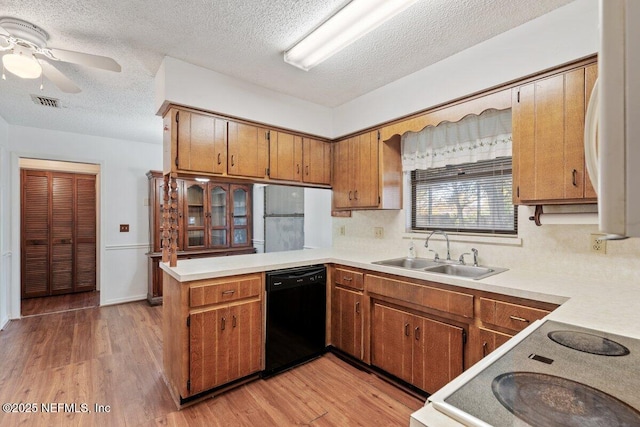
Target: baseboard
{"type": "Point", "coordinates": [4, 322]}
{"type": "Point", "coordinates": [124, 300]}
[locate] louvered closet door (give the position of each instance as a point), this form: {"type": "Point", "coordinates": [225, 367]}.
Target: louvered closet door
{"type": "Point", "coordinates": [85, 233]}
{"type": "Point", "coordinates": [61, 233]}
{"type": "Point", "coordinates": [58, 233]}
{"type": "Point", "coordinates": [35, 233]}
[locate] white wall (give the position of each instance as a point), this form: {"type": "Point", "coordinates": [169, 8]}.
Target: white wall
{"type": "Point", "coordinates": [179, 82]}
{"type": "Point", "coordinates": [563, 35]}
{"type": "Point", "coordinates": [123, 190]}
{"type": "Point", "coordinates": [317, 218]}
{"type": "Point", "coordinates": [5, 225]}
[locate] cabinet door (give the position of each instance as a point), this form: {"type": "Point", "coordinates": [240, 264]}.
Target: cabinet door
{"type": "Point", "coordinates": [240, 215]}
{"type": "Point", "coordinates": [490, 340]}
{"type": "Point", "coordinates": [209, 349]}
{"type": "Point", "coordinates": [548, 130]}
{"type": "Point", "coordinates": [36, 233]}
{"type": "Point", "coordinates": [346, 321]}
{"type": "Point", "coordinates": [285, 156]}
{"type": "Point", "coordinates": [245, 339]}
{"type": "Point", "coordinates": [195, 202]}
{"type": "Point", "coordinates": [365, 164]}
{"type": "Point", "coordinates": [317, 161]}
{"type": "Point", "coordinates": [342, 174]}
{"type": "Point", "coordinates": [247, 150]}
{"type": "Point", "coordinates": [218, 215]}
{"type": "Point", "coordinates": [437, 353]}
{"type": "Point", "coordinates": [202, 143]}
{"type": "Point", "coordinates": [392, 341]}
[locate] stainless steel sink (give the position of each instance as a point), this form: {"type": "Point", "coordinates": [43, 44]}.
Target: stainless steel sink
{"type": "Point", "coordinates": [460, 270]}
{"type": "Point", "coordinates": [449, 268]}
{"type": "Point", "coordinates": [409, 263]}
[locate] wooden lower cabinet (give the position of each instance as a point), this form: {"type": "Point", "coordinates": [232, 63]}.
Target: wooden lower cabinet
{"type": "Point", "coordinates": [225, 344]}
{"type": "Point", "coordinates": [346, 321]}
{"type": "Point", "coordinates": [212, 332]}
{"type": "Point", "coordinates": [422, 351]}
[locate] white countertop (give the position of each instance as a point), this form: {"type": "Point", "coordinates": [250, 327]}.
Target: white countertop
{"type": "Point", "coordinates": [611, 307]}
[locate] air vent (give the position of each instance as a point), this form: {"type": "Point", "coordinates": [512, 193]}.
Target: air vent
{"type": "Point", "coordinates": [45, 102]}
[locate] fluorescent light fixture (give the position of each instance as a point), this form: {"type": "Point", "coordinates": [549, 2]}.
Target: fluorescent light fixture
{"type": "Point", "coordinates": [352, 22]}
{"type": "Point", "coordinates": [22, 64]}
{"type": "Point", "coordinates": [202, 179]}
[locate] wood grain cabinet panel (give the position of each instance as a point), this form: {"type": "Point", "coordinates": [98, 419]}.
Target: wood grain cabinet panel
{"type": "Point", "coordinates": [452, 302]}
{"type": "Point", "coordinates": [506, 315]}
{"type": "Point", "coordinates": [285, 156]}
{"type": "Point", "coordinates": [422, 351]}
{"type": "Point", "coordinates": [548, 139]}
{"type": "Point", "coordinates": [210, 338]}
{"type": "Point", "coordinates": [316, 161]}
{"type": "Point", "coordinates": [349, 278]}
{"type": "Point", "coordinates": [347, 321]}
{"type": "Point", "coordinates": [201, 142]}
{"type": "Point", "coordinates": [247, 147]}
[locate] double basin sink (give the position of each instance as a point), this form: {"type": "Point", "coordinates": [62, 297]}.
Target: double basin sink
{"type": "Point", "coordinates": [449, 268]}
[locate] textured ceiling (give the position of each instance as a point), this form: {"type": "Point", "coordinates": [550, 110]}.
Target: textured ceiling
{"type": "Point", "coordinates": [244, 39]}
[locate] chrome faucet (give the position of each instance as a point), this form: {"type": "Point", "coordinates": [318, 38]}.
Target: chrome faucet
{"type": "Point", "coordinates": [475, 257]}
{"type": "Point", "coordinates": [426, 243]}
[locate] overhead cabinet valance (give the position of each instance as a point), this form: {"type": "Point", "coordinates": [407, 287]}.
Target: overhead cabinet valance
{"type": "Point", "coordinates": [476, 137]}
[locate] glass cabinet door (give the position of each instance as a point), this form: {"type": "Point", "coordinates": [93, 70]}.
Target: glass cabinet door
{"type": "Point", "coordinates": [195, 216]}
{"type": "Point", "coordinates": [219, 196]}
{"type": "Point", "coordinates": [240, 215]}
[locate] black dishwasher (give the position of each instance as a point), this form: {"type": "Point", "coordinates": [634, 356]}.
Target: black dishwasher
{"type": "Point", "coordinates": [296, 311]}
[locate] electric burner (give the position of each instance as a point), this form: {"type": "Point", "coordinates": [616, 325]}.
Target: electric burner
{"type": "Point", "coordinates": [552, 374]}
{"type": "Point", "coordinates": [588, 343]}
{"type": "Point", "coordinates": [546, 401]}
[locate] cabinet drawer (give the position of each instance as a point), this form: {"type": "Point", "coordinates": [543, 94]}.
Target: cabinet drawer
{"type": "Point", "coordinates": [511, 316]}
{"type": "Point", "coordinates": [222, 290]}
{"type": "Point", "coordinates": [349, 278]}
{"type": "Point", "coordinates": [452, 302]}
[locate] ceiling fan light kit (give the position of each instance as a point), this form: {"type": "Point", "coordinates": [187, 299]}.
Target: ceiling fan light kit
{"type": "Point", "coordinates": [22, 63]}
{"type": "Point", "coordinates": [345, 27]}
{"type": "Point", "coordinates": [27, 56]}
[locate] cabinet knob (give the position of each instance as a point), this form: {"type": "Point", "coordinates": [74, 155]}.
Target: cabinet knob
{"type": "Point", "coordinates": [358, 307]}
{"type": "Point", "coordinates": [234, 321]}
{"type": "Point", "coordinates": [574, 175]}
{"type": "Point", "coordinates": [223, 323]}
{"type": "Point", "coordinates": [484, 349]}
{"type": "Point", "coordinates": [219, 159]}
{"type": "Point", "coordinates": [406, 329]}
{"type": "Point", "coordinates": [519, 319]}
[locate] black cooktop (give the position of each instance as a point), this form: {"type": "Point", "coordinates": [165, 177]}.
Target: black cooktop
{"type": "Point", "coordinates": [558, 375]}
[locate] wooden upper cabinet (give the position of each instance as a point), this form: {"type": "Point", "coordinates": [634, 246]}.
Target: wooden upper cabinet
{"type": "Point", "coordinates": [590, 76]}
{"type": "Point", "coordinates": [201, 143]}
{"type": "Point", "coordinates": [355, 174]}
{"type": "Point", "coordinates": [285, 156]}
{"type": "Point", "coordinates": [548, 139]}
{"type": "Point", "coordinates": [316, 161]}
{"type": "Point", "coordinates": [247, 150]}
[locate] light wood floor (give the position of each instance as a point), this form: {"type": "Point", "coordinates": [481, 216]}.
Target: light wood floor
{"type": "Point", "coordinates": [57, 303]}
{"type": "Point", "coordinates": [113, 356]}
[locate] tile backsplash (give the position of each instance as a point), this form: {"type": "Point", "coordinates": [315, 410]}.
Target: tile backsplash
{"type": "Point", "coordinates": [561, 249]}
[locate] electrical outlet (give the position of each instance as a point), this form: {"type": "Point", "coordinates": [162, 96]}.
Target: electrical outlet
{"type": "Point", "coordinates": [598, 245]}
{"type": "Point", "coordinates": [343, 230]}
{"type": "Point", "coordinates": [124, 228]}
{"type": "Point", "coordinates": [378, 232]}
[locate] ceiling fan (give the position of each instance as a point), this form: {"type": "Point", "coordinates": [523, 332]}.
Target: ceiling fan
{"type": "Point", "coordinates": [24, 51]}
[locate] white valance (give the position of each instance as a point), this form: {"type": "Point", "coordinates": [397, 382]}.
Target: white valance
{"type": "Point", "coordinates": [475, 137]}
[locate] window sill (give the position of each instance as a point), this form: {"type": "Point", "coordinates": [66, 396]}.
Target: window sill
{"type": "Point", "coordinates": [506, 240]}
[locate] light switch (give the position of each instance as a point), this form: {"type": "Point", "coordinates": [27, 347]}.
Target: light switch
{"type": "Point", "coordinates": [124, 228]}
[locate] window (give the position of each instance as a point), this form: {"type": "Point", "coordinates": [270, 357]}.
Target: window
{"type": "Point", "coordinates": [470, 197]}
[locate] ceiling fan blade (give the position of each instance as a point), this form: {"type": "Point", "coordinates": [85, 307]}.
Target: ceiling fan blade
{"type": "Point", "coordinates": [57, 78]}
{"type": "Point", "coordinates": [87, 59]}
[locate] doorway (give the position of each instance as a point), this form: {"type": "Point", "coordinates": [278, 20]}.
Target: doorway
{"type": "Point", "coordinates": [58, 239]}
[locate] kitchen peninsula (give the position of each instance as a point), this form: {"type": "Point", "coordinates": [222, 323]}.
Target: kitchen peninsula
{"type": "Point", "coordinates": [580, 301]}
